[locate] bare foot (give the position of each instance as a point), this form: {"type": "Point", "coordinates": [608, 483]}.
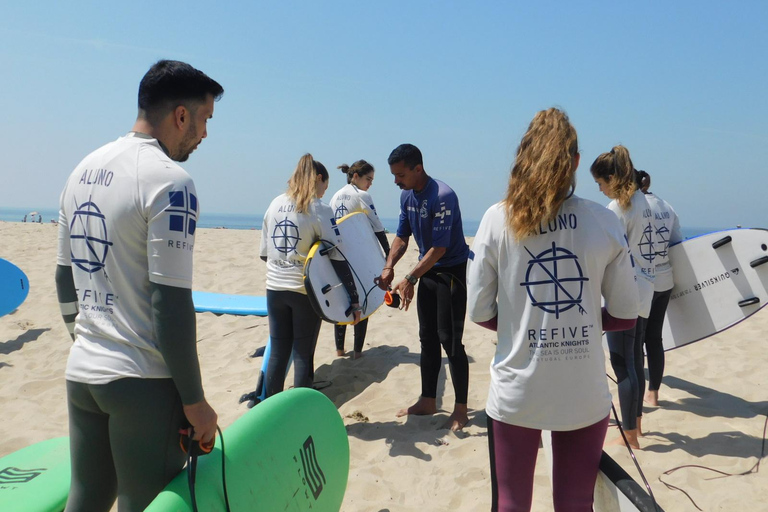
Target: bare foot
{"type": "Point", "coordinates": [652, 398]}
{"type": "Point", "coordinates": [631, 436]}
{"type": "Point", "coordinates": [340, 353]}
{"type": "Point", "coordinates": [357, 355]}
{"type": "Point", "coordinates": [422, 407]}
{"type": "Point", "coordinates": [458, 419]}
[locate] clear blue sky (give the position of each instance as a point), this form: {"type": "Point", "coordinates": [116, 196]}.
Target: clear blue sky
{"type": "Point", "coordinates": [682, 84]}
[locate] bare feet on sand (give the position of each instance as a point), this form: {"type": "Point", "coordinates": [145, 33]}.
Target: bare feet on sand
{"type": "Point", "coordinates": [652, 398]}
{"type": "Point", "coordinates": [427, 406]}
{"type": "Point", "coordinates": [340, 353]}
{"type": "Point", "coordinates": [631, 436]}
{"type": "Point", "coordinates": [422, 407]}
{"type": "Point", "coordinates": [458, 419]}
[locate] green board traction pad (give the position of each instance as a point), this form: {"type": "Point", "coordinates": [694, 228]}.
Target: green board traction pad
{"type": "Point", "coordinates": [36, 478]}
{"type": "Point", "coordinates": [288, 453]}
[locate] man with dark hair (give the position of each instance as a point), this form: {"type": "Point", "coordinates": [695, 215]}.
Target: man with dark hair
{"type": "Point", "coordinates": [429, 210]}
{"type": "Point", "coordinates": [127, 225]}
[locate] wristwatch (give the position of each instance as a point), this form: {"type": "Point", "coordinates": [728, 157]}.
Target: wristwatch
{"type": "Point", "coordinates": [411, 279]}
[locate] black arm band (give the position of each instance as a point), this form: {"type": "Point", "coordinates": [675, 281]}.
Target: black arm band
{"type": "Point", "coordinates": [174, 322]}
{"type": "Point", "coordinates": [345, 275]}
{"type": "Point", "coordinates": [382, 236]}
{"type": "Point", "coordinates": [67, 295]}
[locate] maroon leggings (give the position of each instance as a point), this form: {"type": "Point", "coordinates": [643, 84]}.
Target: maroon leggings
{"type": "Point", "coordinates": [576, 458]}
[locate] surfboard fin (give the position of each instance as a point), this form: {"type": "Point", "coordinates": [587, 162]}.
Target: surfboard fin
{"type": "Point", "coordinates": [748, 302]}
{"type": "Point", "coordinates": [758, 262]}
{"type": "Point", "coordinates": [723, 241]}
{"type": "Point", "coordinates": [326, 250]}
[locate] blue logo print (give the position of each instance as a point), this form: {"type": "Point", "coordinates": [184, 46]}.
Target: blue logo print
{"type": "Point", "coordinates": [646, 244]}
{"type": "Point", "coordinates": [341, 211]}
{"type": "Point", "coordinates": [335, 227]}
{"type": "Point", "coordinates": [285, 236]}
{"type": "Point", "coordinates": [183, 210]}
{"type": "Point", "coordinates": [662, 240]}
{"type": "Point", "coordinates": [562, 284]}
{"type": "Point", "coordinates": [89, 243]}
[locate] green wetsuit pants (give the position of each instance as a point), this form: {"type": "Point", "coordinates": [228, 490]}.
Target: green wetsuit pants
{"type": "Point", "coordinates": [124, 442]}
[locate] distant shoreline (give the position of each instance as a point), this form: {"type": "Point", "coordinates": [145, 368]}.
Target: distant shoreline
{"type": "Point", "coordinates": [245, 221]}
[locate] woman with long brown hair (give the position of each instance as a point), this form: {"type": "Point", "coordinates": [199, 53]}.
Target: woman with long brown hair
{"type": "Point", "coordinates": [540, 262]}
{"type": "Point", "coordinates": [292, 224]}
{"type": "Point", "coordinates": [616, 177]}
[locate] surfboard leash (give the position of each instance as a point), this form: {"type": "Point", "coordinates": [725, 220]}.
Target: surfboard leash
{"type": "Point", "coordinates": [195, 449]}
{"type": "Point", "coordinates": [632, 453]}
{"type": "Point", "coordinates": [331, 246]}
{"type": "Point", "coordinates": [723, 474]}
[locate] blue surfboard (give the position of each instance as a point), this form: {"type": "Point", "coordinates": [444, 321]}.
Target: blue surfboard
{"type": "Point", "coordinates": [229, 304]}
{"type": "Point", "coordinates": [14, 287]}
{"type": "Point", "coordinates": [260, 394]}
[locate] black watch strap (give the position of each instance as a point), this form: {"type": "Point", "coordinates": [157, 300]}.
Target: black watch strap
{"type": "Point", "coordinates": [411, 279]}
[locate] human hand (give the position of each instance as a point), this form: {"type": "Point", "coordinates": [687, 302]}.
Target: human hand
{"type": "Point", "coordinates": [356, 313]}
{"type": "Point", "coordinates": [203, 419]}
{"type": "Point", "coordinates": [385, 280]}
{"type": "Point", "coordinates": [405, 289]}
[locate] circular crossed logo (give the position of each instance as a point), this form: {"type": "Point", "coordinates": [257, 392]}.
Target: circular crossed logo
{"type": "Point", "coordinates": [89, 241]}
{"type": "Point", "coordinates": [341, 211]}
{"type": "Point", "coordinates": [554, 280]}
{"type": "Point", "coordinates": [285, 236]}
{"type": "Point", "coordinates": [646, 244]}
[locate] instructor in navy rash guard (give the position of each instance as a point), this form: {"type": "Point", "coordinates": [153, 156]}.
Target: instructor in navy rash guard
{"type": "Point", "coordinates": [429, 210]}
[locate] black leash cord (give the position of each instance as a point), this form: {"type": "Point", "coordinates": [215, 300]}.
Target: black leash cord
{"type": "Point", "coordinates": [723, 474]}
{"type": "Point", "coordinates": [192, 455]}
{"type": "Point", "coordinates": [632, 454]}
{"type": "Point", "coordinates": [367, 291]}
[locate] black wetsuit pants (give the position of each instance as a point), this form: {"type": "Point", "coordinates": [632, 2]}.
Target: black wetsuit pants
{"type": "Point", "coordinates": [124, 442]}
{"type": "Point", "coordinates": [293, 327]}
{"type": "Point", "coordinates": [654, 349]}
{"type": "Point", "coordinates": [361, 329]}
{"type": "Point", "coordinates": [442, 306]}
{"type": "Point", "coordinates": [626, 352]}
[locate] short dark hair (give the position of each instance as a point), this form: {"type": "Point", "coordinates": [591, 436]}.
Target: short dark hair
{"type": "Point", "coordinates": [169, 83]}
{"type": "Point", "coordinates": [406, 153]}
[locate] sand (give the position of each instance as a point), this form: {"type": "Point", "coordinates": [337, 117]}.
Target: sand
{"type": "Point", "coordinates": [713, 401]}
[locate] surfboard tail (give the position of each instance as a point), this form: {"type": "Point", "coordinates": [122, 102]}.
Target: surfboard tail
{"type": "Point", "coordinates": [620, 492]}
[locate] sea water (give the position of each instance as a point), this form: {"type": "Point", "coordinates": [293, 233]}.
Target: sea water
{"type": "Point", "coordinates": [246, 221]}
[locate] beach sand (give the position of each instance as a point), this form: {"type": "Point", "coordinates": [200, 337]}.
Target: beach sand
{"type": "Point", "coordinates": [713, 401]}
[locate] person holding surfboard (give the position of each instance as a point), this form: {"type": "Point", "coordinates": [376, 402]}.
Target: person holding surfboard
{"type": "Point", "coordinates": [615, 175]}
{"type": "Point", "coordinates": [292, 224]}
{"type": "Point", "coordinates": [667, 231]}
{"type": "Point", "coordinates": [127, 225]}
{"type": "Point", "coordinates": [354, 197]}
{"type": "Point", "coordinates": [540, 261]}
{"type": "Point", "coordinates": [429, 210]}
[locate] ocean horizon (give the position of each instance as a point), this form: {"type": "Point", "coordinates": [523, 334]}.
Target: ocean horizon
{"type": "Point", "coordinates": [248, 221]}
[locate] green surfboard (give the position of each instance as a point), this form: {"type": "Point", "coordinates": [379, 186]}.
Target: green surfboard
{"type": "Point", "coordinates": [36, 478]}
{"type": "Point", "coordinates": [288, 453]}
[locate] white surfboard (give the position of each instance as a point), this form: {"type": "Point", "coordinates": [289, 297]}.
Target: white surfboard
{"type": "Point", "coordinates": [721, 279]}
{"type": "Point", "coordinates": [362, 250]}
